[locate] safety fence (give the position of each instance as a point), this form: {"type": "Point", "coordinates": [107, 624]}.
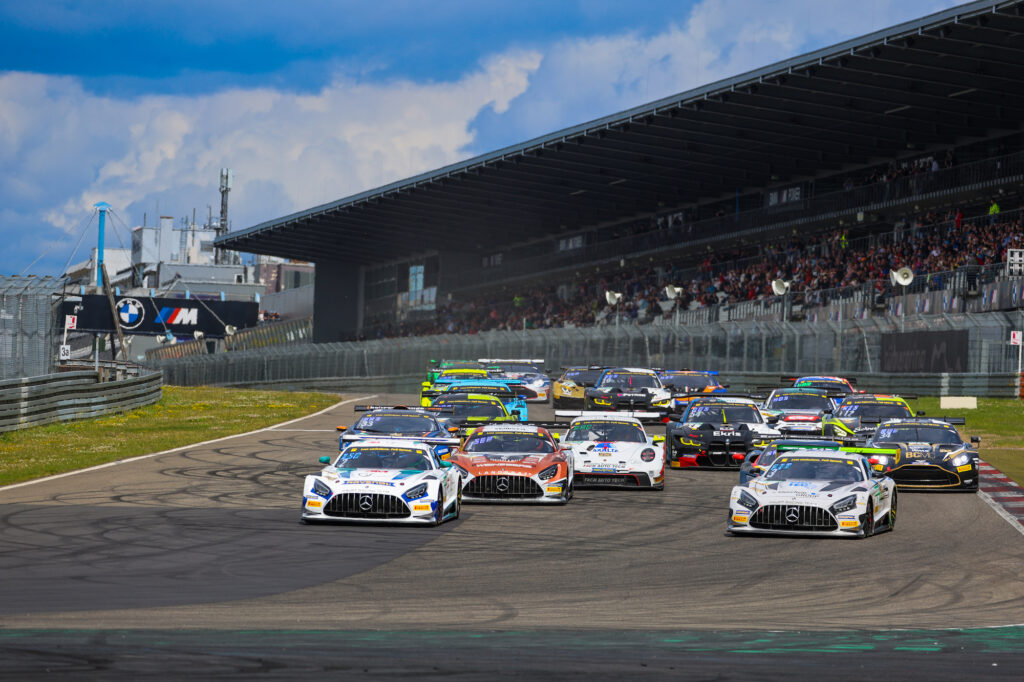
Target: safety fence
{"type": "Point", "coordinates": [26, 325]}
{"type": "Point", "coordinates": [70, 396]}
{"type": "Point", "coordinates": [271, 334]}
{"type": "Point", "coordinates": [769, 347]}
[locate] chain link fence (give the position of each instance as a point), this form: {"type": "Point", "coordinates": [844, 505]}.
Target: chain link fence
{"type": "Point", "coordinates": [821, 346]}
{"type": "Point", "coordinates": [26, 325]}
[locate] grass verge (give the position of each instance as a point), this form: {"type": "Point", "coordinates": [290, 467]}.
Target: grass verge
{"type": "Point", "coordinates": [184, 415]}
{"type": "Point", "coordinates": [999, 422]}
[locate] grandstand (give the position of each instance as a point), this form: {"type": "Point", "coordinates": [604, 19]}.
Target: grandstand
{"type": "Point", "coordinates": [824, 170]}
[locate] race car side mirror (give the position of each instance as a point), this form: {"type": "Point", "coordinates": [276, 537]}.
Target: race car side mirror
{"type": "Point", "coordinates": [426, 384]}
{"type": "Point", "coordinates": [453, 429]}
{"type": "Point", "coordinates": [920, 413]}
{"type": "Point", "coordinates": [556, 436]}
{"type": "Point", "coordinates": [975, 439]}
{"type": "Point", "coordinates": [772, 419]}
{"type": "Point", "coordinates": [324, 460]}
{"type": "Point", "coordinates": [341, 428]}
{"type": "Point", "coordinates": [445, 464]}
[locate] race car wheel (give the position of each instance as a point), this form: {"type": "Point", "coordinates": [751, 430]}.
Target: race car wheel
{"type": "Point", "coordinates": [869, 521]}
{"type": "Point", "coordinates": [458, 504]}
{"type": "Point", "coordinates": [892, 512]}
{"type": "Point", "coordinates": [439, 512]}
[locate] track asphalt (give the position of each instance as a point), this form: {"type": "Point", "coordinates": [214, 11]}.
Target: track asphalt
{"type": "Point", "coordinates": [100, 566]}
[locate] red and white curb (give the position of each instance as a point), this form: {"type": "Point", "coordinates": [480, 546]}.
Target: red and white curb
{"type": "Point", "coordinates": [1005, 496]}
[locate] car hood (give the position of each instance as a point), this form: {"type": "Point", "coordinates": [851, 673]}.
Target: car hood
{"type": "Point", "coordinates": [520, 464]}
{"type": "Point", "coordinates": [928, 451]}
{"type": "Point", "coordinates": [772, 490]}
{"type": "Point", "coordinates": [354, 479]}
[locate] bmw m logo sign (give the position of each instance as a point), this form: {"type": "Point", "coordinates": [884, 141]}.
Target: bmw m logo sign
{"type": "Point", "coordinates": [130, 312]}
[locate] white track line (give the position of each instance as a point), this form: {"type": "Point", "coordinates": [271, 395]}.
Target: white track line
{"type": "Point", "coordinates": [184, 447]}
{"type": "Point", "coordinates": [273, 428]}
{"type": "Point", "coordinates": [1010, 518]}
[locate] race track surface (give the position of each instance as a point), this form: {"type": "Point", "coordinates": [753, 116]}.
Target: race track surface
{"type": "Point", "coordinates": [209, 537]}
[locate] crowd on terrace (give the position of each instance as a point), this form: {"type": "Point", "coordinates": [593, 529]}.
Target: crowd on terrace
{"type": "Point", "coordinates": [927, 244]}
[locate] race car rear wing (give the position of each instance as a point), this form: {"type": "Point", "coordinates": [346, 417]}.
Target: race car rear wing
{"type": "Point", "coordinates": [792, 380]}
{"type": "Point", "coordinates": [952, 421]}
{"type": "Point", "coordinates": [525, 361]}
{"type": "Point", "coordinates": [355, 437]}
{"type": "Point", "coordinates": [415, 408]}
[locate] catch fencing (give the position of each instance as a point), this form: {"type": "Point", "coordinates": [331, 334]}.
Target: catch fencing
{"type": "Point", "coordinates": [26, 325]}
{"type": "Point", "coordinates": [846, 347]}
{"type": "Point", "coordinates": [70, 396]}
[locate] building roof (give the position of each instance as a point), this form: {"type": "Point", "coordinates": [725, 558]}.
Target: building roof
{"type": "Point", "coordinates": [921, 85]}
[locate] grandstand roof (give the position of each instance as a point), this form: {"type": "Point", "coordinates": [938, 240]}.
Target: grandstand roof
{"type": "Point", "coordinates": [927, 83]}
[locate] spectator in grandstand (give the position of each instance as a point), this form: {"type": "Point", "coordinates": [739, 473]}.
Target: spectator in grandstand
{"type": "Point", "coordinates": [993, 212]}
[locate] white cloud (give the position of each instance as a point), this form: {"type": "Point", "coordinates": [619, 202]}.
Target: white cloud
{"type": "Point", "coordinates": [63, 148]}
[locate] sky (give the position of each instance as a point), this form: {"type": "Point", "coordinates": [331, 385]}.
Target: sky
{"type": "Point", "coordinates": [140, 104]}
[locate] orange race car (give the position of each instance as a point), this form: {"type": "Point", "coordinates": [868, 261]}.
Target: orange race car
{"type": "Point", "coordinates": [513, 463]}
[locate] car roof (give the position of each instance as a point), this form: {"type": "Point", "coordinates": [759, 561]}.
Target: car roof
{"type": "Point", "coordinates": [392, 442]}
{"type": "Point", "coordinates": [809, 390]}
{"type": "Point", "coordinates": [513, 427]}
{"type": "Point", "coordinates": [399, 413]}
{"type": "Point", "coordinates": [605, 417]}
{"type": "Point", "coordinates": [824, 454]}
{"type": "Point", "coordinates": [916, 421]}
{"type": "Point", "coordinates": [874, 398]}
{"type": "Point", "coordinates": [469, 398]}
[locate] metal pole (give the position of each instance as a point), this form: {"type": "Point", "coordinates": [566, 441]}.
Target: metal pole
{"type": "Point", "coordinates": [103, 208]}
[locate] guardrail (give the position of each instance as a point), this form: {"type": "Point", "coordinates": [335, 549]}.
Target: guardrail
{"type": "Point", "coordinates": [70, 396]}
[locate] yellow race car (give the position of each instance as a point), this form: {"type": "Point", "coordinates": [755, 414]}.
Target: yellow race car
{"type": "Point", "coordinates": [567, 391]}
{"type": "Point", "coordinates": [431, 390]}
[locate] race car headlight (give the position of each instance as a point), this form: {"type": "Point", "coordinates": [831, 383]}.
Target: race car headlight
{"type": "Point", "coordinates": [603, 401]}
{"type": "Point", "coordinates": [662, 403]}
{"type": "Point", "coordinates": [548, 473]}
{"type": "Point", "coordinates": [416, 492]}
{"type": "Point", "coordinates": [321, 489]}
{"type": "Point", "coordinates": [648, 455]}
{"type": "Point", "coordinates": [961, 459]}
{"type": "Point", "coordinates": [747, 500]}
{"type": "Point", "coordinates": [845, 504]}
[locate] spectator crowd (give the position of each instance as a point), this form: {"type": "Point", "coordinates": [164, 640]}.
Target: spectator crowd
{"type": "Point", "coordinates": [927, 244]}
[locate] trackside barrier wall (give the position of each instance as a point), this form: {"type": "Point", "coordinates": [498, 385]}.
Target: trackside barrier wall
{"type": "Point", "coordinates": [26, 325]}
{"type": "Point", "coordinates": [736, 348]}
{"type": "Point", "coordinates": [70, 396]}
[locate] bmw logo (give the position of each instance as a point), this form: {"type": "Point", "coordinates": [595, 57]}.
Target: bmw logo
{"type": "Point", "coordinates": [130, 312]}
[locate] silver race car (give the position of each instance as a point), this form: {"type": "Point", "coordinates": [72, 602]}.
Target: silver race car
{"type": "Point", "coordinates": [815, 492]}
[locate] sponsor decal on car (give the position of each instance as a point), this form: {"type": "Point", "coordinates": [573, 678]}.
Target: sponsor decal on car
{"type": "Point", "coordinates": [965, 467]}
{"type": "Point", "coordinates": [421, 507]}
{"type": "Point", "coordinates": [314, 503]}
{"type": "Point", "coordinates": [848, 524]}
{"type": "Point", "coordinates": [554, 488]}
{"type": "Point", "coordinates": [737, 518]}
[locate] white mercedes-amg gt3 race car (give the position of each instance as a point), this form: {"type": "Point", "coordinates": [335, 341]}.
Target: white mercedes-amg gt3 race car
{"type": "Point", "coordinates": [815, 492]}
{"type": "Point", "coordinates": [383, 480]}
{"type": "Point", "coordinates": [610, 450]}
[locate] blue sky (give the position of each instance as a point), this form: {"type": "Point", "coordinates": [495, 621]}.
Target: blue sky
{"type": "Point", "coordinates": [141, 103]}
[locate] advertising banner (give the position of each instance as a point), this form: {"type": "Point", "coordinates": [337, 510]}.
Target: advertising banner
{"type": "Point", "coordinates": [925, 352]}
{"type": "Point", "coordinates": [157, 316]}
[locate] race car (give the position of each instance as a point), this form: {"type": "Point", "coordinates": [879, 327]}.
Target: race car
{"type": "Point", "coordinates": [430, 391]}
{"type": "Point", "coordinates": [800, 410]}
{"type": "Point", "coordinates": [758, 461]}
{"type": "Point", "coordinates": [511, 394]}
{"type": "Point", "coordinates": [383, 480]}
{"type": "Point", "coordinates": [833, 384]}
{"type": "Point", "coordinates": [426, 425]}
{"type": "Point", "coordinates": [567, 390]}
{"type": "Point", "coordinates": [612, 451]}
{"type": "Point", "coordinates": [815, 492]}
{"type": "Point", "coordinates": [686, 385]}
{"type": "Point", "coordinates": [527, 371]}
{"type": "Point", "coordinates": [930, 454]}
{"type": "Point", "coordinates": [716, 432]}
{"type": "Point", "coordinates": [628, 388]}
{"type": "Point", "coordinates": [435, 367]}
{"type": "Point", "coordinates": [461, 409]}
{"type": "Point", "coordinates": [513, 463]}
{"type": "Point", "coordinates": [859, 415]}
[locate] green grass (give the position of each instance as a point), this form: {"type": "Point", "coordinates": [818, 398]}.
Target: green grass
{"type": "Point", "coordinates": [999, 422]}
{"type": "Point", "coordinates": [184, 415]}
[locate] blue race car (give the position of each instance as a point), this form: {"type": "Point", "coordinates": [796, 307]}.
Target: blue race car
{"type": "Point", "coordinates": [422, 424]}
{"type": "Point", "coordinates": [510, 391]}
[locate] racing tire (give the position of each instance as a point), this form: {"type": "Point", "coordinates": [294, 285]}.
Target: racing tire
{"type": "Point", "coordinates": [891, 516]}
{"type": "Point", "coordinates": [458, 503]}
{"type": "Point", "coordinates": [869, 521]}
{"type": "Point", "coordinates": [439, 514]}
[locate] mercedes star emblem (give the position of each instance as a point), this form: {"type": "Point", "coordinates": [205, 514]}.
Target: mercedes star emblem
{"type": "Point", "coordinates": [501, 484]}
{"type": "Point", "coordinates": [792, 514]}
{"type": "Point", "coordinates": [366, 503]}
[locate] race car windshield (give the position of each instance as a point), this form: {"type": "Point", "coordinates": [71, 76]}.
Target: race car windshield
{"type": "Point", "coordinates": [521, 369]}
{"type": "Point", "coordinates": [936, 435]}
{"type": "Point", "coordinates": [798, 469]}
{"type": "Point", "coordinates": [630, 381]}
{"type": "Point", "coordinates": [839, 386]}
{"type": "Point", "coordinates": [468, 408]}
{"type": "Point", "coordinates": [462, 375]}
{"type": "Point", "coordinates": [582, 376]}
{"type": "Point", "coordinates": [470, 388]}
{"type": "Point", "coordinates": [525, 443]}
{"type": "Point", "coordinates": [687, 382]}
{"type": "Point", "coordinates": [417, 424]}
{"type": "Point", "coordinates": [873, 410]}
{"type": "Point", "coordinates": [799, 401]}
{"type": "Point", "coordinates": [724, 414]}
{"type": "Point", "coordinates": [605, 431]}
{"type": "Point", "coordinates": [371, 457]}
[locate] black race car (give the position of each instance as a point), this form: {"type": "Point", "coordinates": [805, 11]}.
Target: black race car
{"type": "Point", "coordinates": [629, 389]}
{"type": "Point", "coordinates": [716, 432]}
{"type": "Point", "coordinates": [930, 454]}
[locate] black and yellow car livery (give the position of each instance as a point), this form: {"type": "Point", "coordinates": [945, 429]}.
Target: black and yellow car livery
{"type": "Point", "coordinates": [929, 454]}
{"type": "Point", "coordinates": [431, 390]}
{"type": "Point", "coordinates": [859, 414]}
{"type": "Point", "coordinates": [567, 391]}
